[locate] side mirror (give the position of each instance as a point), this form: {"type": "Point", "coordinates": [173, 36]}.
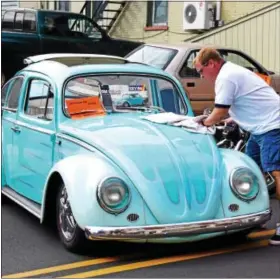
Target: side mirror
{"type": "Point", "coordinates": [271, 72]}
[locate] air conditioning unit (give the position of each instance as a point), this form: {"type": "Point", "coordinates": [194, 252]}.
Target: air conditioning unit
{"type": "Point", "coordinates": [197, 15]}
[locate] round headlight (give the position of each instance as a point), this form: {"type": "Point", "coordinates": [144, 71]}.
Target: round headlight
{"type": "Point", "coordinates": [244, 183]}
{"type": "Point", "coordinates": [113, 195]}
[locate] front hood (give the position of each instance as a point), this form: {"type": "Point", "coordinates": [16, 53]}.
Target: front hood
{"type": "Point", "coordinates": [175, 171]}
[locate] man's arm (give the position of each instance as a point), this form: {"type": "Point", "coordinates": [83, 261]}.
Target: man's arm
{"type": "Point", "coordinates": [217, 115]}
{"type": "Point", "coordinates": [225, 91]}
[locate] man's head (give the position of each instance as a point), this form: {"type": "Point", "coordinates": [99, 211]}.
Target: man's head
{"type": "Point", "coordinates": [208, 63]}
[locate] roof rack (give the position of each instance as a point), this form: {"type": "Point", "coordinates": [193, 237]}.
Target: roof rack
{"type": "Point", "coordinates": [63, 57]}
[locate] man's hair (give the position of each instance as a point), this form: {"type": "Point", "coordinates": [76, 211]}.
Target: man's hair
{"type": "Point", "coordinates": [207, 53]}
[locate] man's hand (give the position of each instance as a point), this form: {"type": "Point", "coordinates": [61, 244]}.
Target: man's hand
{"type": "Point", "coordinates": [216, 116]}
{"type": "Point", "coordinates": [199, 119]}
{"type": "Point", "coordinates": [228, 120]}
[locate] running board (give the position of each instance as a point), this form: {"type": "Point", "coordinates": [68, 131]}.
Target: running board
{"type": "Point", "coordinates": [31, 206]}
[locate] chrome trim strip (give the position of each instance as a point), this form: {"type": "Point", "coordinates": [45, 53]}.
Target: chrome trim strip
{"type": "Point", "coordinates": [29, 205]}
{"type": "Point", "coordinates": [35, 128]}
{"type": "Point", "coordinates": [9, 109]}
{"type": "Point", "coordinates": [31, 127]}
{"type": "Point", "coordinates": [177, 230]}
{"type": "Point", "coordinates": [76, 141]}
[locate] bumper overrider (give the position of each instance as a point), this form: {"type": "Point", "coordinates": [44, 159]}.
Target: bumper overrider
{"type": "Point", "coordinates": [177, 230]}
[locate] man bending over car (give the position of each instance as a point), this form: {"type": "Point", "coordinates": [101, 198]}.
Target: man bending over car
{"type": "Point", "coordinates": [252, 104]}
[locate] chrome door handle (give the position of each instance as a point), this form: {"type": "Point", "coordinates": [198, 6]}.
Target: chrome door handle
{"type": "Point", "coordinates": [16, 129]}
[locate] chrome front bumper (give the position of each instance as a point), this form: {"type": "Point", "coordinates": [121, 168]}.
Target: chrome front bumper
{"type": "Point", "coordinates": [177, 230]}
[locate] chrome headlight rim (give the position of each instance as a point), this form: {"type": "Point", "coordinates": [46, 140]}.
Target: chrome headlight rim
{"type": "Point", "coordinates": [102, 203]}
{"type": "Point", "coordinates": [253, 192]}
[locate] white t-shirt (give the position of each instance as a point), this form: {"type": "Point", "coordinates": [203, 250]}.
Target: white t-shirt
{"type": "Point", "coordinates": [252, 103]}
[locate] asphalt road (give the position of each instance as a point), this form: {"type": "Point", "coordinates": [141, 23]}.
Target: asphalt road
{"type": "Point", "coordinates": [30, 249]}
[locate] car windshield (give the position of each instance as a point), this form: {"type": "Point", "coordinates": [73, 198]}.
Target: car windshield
{"type": "Point", "coordinates": [70, 25]}
{"type": "Point", "coordinates": [99, 95]}
{"type": "Point", "coordinates": [156, 56]}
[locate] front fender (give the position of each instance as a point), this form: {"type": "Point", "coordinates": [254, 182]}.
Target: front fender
{"type": "Point", "coordinates": [81, 175]}
{"type": "Point", "coordinates": [231, 160]}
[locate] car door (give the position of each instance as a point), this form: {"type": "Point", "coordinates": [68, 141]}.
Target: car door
{"type": "Point", "coordinates": [9, 103]}
{"type": "Point", "coordinates": [34, 142]}
{"type": "Point", "coordinates": [87, 37]}
{"type": "Point", "coordinates": [52, 40]}
{"type": "Point", "coordinates": [248, 62]}
{"type": "Point", "coordinates": [199, 91]}
{"type": "Point", "coordinates": [25, 31]}
{"type": "Point", "coordinates": [21, 40]}
{"type": "Point", "coordinates": [71, 32]}
{"type": "Point", "coordinates": [244, 60]}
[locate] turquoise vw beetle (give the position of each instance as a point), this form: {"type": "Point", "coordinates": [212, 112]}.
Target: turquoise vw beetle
{"type": "Point", "coordinates": [103, 172]}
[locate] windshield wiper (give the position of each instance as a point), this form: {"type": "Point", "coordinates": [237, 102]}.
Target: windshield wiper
{"type": "Point", "coordinates": [157, 108]}
{"type": "Point", "coordinates": [145, 109]}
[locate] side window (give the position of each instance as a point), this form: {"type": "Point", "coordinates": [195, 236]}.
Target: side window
{"type": "Point", "coordinates": [157, 13]}
{"type": "Point", "coordinates": [4, 92]}
{"type": "Point", "coordinates": [8, 20]}
{"type": "Point", "coordinates": [188, 70]}
{"type": "Point", "coordinates": [29, 22]}
{"type": "Point", "coordinates": [13, 92]}
{"type": "Point", "coordinates": [239, 59]}
{"type": "Point", "coordinates": [39, 100]}
{"type": "Point", "coordinates": [19, 21]}
{"type": "Point", "coordinates": [170, 98]}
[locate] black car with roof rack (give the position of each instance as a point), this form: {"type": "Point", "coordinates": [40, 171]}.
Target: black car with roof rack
{"type": "Point", "coordinates": [28, 32]}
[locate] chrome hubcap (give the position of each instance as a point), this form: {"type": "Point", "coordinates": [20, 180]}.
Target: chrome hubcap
{"type": "Point", "coordinates": [67, 222]}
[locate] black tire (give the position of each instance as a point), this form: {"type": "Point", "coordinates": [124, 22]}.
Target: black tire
{"type": "Point", "coordinates": [242, 235]}
{"type": "Point", "coordinates": [77, 242]}
{"type": "Point", "coordinates": [4, 199]}
{"type": "Point", "coordinates": [126, 105]}
{"type": "Point", "coordinates": [272, 190]}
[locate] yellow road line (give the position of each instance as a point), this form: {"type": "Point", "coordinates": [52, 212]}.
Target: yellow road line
{"type": "Point", "coordinates": [108, 260]}
{"type": "Point", "coordinates": [161, 261]}
{"type": "Point", "coordinates": [263, 233]}
{"type": "Point", "coordinates": [60, 268]}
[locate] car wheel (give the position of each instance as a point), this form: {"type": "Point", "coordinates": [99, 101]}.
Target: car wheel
{"type": "Point", "coordinates": [243, 235]}
{"type": "Point", "coordinates": [126, 105]}
{"type": "Point", "coordinates": [4, 199]}
{"type": "Point", "coordinates": [71, 235]}
{"type": "Point", "coordinates": [271, 189]}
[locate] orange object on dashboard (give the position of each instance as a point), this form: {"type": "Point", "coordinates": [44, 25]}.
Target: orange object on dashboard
{"type": "Point", "coordinates": [266, 78]}
{"type": "Point", "coordinates": [84, 107]}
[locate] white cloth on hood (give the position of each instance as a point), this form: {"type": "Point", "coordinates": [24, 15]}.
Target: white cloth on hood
{"type": "Point", "coordinates": [189, 123]}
